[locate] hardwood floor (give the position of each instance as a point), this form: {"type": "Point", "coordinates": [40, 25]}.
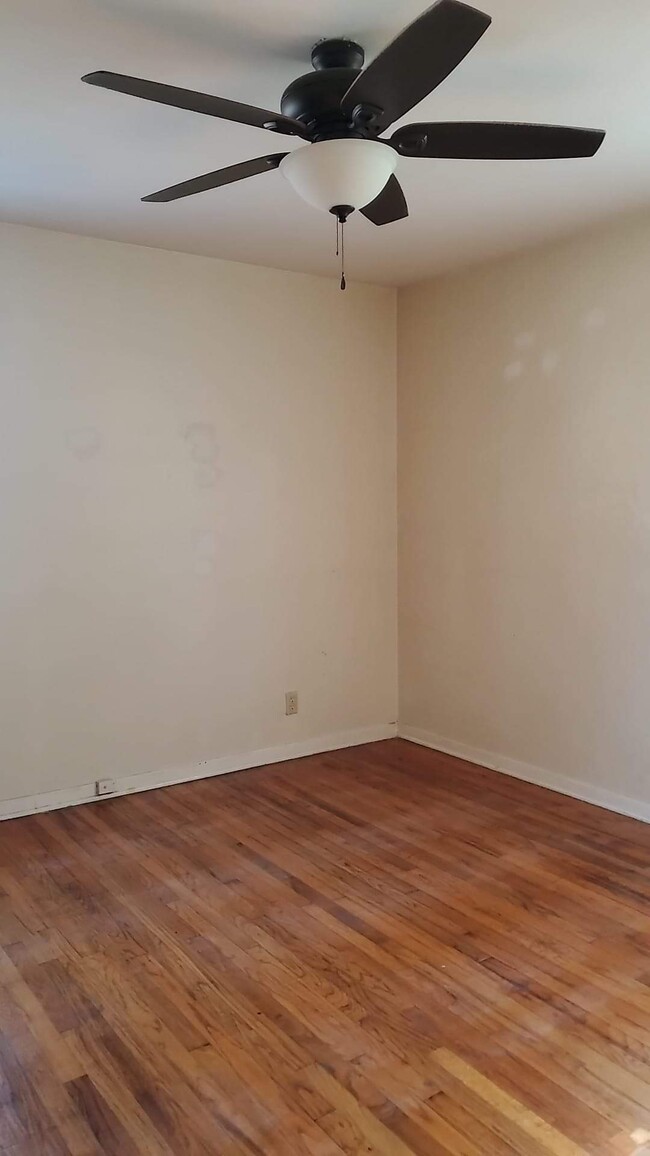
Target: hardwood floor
{"type": "Point", "coordinates": [382, 950]}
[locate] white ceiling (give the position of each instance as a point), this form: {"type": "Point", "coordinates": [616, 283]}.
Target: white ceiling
{"type": "Point", "coordinates": [78, 158]}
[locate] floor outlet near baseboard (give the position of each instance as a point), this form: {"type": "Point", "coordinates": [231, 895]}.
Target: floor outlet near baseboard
{"type": "Point", "coordinates": [105, 787]}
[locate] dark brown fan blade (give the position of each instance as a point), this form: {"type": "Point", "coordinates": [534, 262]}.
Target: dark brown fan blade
{"type": "Point", "coordinates": [196, 102]}
{"type": "Point", "coordinates": [389, 206]}
{"type": "Point", "coordinates": [497, 142]}
{"type": "Point", "coordinates": [416, 62]}
{"type": "Point", "coordinates": [219, 177]}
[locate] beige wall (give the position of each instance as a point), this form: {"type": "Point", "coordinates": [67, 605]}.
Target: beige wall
{"type": "Point", "coordinates": [197, 509]}
{"type": "Point", "coordinates": [524, 480]}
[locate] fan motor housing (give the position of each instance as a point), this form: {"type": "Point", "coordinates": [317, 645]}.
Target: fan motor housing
{"type": "Point", "coordinates": [315, 98]}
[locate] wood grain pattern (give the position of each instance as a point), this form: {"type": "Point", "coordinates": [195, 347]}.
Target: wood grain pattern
{"type": "Point", "coordinates": [382, 950]}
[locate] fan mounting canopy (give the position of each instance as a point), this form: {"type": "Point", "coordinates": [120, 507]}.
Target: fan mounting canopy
{"type": "Point", "coordinates": [338, 54]}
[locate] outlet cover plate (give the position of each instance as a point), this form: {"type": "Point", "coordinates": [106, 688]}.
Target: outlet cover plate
{"type": "Point", "coordinates": [105, 787]}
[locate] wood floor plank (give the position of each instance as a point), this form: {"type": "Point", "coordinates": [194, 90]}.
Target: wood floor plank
{"type": "Point", "coordinates": [542, 1132]}
{"type": "Point", "coordinates": [380, 950]}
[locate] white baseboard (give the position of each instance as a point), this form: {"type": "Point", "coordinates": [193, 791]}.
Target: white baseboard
{"type": "Point", "coordinates": [73, 796]}
{"type": "Point", "coordinates": [577, 788]}
{"type": "Point", "coordinates": [528, 772]}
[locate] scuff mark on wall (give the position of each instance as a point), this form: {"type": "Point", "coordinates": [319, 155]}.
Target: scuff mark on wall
{"type": "Point", "coordinates": [201, 440]}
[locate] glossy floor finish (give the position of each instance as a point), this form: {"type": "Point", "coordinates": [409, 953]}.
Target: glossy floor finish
{"type": "Point", "coordinates": [382, 950]}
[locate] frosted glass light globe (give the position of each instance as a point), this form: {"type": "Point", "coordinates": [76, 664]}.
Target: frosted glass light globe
{"type": "Point", "coordinates": [339, 172]}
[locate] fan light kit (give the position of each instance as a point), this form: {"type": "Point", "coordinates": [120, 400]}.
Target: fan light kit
{"type": "Point", "coordinates": [347, 171]}
{"type": "Point", "coordinates": [341, 109]}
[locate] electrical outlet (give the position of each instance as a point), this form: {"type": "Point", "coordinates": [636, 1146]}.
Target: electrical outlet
{"type": "Point", "coordinates": [291, 702]}
{"type": "Point", "coordinates": [105, 787]}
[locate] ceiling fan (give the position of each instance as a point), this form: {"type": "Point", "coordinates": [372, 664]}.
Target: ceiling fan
{"type": "Point", "coordinates": [341, 109]}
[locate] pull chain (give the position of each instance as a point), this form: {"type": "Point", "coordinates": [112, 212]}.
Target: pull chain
{"type": "Point", "coordinates": [341, 214]}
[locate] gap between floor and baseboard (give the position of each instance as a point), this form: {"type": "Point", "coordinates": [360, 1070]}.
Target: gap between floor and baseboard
{"type": "Point", "coordinates": [129, 784]}
{"type": "Point", "coordinates": [576, 788]}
